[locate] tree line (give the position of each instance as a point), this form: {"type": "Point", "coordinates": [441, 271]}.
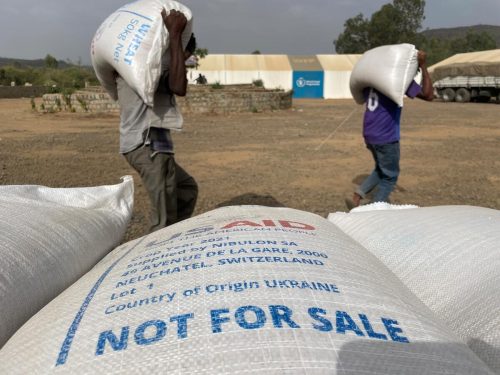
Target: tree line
{"type": "Point", "coordinates": [68, 78]}
{"type": "Point", "coordinates": [401, 22]}
{"type": "Point", "coordinates": [71, 77]}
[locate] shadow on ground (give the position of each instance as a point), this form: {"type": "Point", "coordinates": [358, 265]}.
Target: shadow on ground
{"type": "Point", "coordinates": [360, 178]}
{"type": "Point", "coordinates": [252, 199]}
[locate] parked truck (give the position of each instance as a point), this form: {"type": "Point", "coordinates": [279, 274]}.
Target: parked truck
{"type": "Point", "coordinates": [467, 82]}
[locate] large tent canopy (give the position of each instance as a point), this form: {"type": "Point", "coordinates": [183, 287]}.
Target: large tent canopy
{"type": "Point", "coordinates": [274, 70]}
{"type": "Point", "coordinates": [482, 63]}
{"type": "Point", "coordinates": [337, 70]}
{"type": "Point", "coordinates": [281, 71]}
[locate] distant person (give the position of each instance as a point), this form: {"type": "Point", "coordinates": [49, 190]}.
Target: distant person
{"type": "Point", "coordinates": [201, 80]}
{"type": "Point", "coordinates": [145, 139]}
{"type": "Point", "coordinates": [381, 131]}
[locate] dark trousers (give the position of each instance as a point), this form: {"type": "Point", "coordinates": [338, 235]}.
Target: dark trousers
{"type": "Point", "coordinates": [172, 191]}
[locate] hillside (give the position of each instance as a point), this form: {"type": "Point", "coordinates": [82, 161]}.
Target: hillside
{"type": "Point", "coordinates": [460, 32]}
{"type": "Point", "coordinates": [38, 63]}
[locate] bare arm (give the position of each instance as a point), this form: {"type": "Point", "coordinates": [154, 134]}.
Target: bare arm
{"type": "Point", "coordinates": [427, 92]}
{"type": "Point", "coordinates": [175, 23]}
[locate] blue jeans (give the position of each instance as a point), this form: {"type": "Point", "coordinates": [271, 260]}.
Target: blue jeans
{"type": "Point", "coordinates": [386, 172]}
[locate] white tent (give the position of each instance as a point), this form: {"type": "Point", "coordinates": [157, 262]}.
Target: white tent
{"type": "Point", "coordinates": [274, 70]}
{"type": "Point", "coordinates": [213, 67]}
{"type": "Point", "coordinates": [337, 70]}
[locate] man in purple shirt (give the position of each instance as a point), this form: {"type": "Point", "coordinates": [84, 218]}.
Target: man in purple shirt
{"type": "Point", "coordinates": [381, 126]}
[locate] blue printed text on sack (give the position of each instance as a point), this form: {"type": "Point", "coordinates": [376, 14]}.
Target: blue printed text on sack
{"type": "Point", "coordinates": [130, 41]}
{"type": "Point", "coordinates": [251, 318]}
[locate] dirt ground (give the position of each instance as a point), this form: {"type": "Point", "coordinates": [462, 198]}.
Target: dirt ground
{"type": "Point", "coordinates": [309, 158]}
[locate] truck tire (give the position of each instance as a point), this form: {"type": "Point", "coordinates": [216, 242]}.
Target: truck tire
{"type": "Point", "coordinates": [484, 96]}
{"type": "Point", "coordinates": [448, 94]}
{"type": "Point", "coordinates": [462, 95]}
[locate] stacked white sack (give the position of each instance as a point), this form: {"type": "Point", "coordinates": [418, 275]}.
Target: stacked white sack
{"type": "Point", "coordinates": [381, 206]}
{"type": "Point", "coordinates": [133, 42]}
{"type": "Point", "coordinates": [449, 256]}
{"type": "Point", "coordinates": [49, 238]}
{"type": "Point", "coordinates": [389, 69]}
{"type": "Point", "coordinates": [239, 290]}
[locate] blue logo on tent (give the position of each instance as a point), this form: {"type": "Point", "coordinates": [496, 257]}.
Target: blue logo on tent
{"type": "Point", "coordinates": [308, 84]}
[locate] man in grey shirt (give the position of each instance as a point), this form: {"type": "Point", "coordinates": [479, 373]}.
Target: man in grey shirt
{"type": "Point", "coordinates": [145, 139]}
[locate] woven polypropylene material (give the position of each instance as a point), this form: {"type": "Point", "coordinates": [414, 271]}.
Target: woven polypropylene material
{"type": "Point", "coordinates": [390, 69]}
{"type": "Point", "coordinates": [449, 256]}
{"type": "Point", "coordinates": [49, 238]}
{"type": "Point", "coordinates": [239, 290]}
{"type": "Point", "coordinates": [132, 42]}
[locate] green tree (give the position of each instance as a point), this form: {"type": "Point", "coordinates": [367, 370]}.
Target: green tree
{"type": "Point", "coordinates": [201, 52]}
{"type": "Point", "coordinates": [475, 41]}
{"type": "Point", "coordinates": [472, 42]}
{"type": "Point", "coordinates": [71, 78]}
{"type": "Point", "coordinates": [411, 15]}
{"type": "Point", "coordinates": [440, 49]}
{"type": "Point", "coordinates": [51, 62]}
{"type": "Point", "coordinates": [396, 22]}
{"type": "Point", "coordinates": [354, 39]}
{"type": "Point", "coordinates": [384, 26]}
{"type": "Point", "coordinates": [436, 49]}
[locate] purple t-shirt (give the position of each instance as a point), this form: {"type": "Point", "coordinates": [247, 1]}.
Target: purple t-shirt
{"type": "Point", "coordinates": [382, 116]}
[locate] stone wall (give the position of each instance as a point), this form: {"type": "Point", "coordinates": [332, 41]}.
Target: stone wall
{"type": "Point", "coordinates": [200, 99]}
{"type": "Point", "coordinates": [234, 98]}
{"type": "Point", "coordinates": [89, 100]}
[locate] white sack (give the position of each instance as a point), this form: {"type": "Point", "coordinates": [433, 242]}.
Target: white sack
{"type": "Point", "coordinates": [389, 69]}
{"type": "Point", "coordinates": [449, 256]}
{"type": "Point", "coordinates": [133, 41]}
{"type": "Point", "coordinates": [239, 290]}
{"type": "Point", "coordinates": [49, 238]}
{"type": "Point", "coordinates": [381, 206]}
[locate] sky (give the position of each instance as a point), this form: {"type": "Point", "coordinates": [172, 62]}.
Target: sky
{"type": "Point", "coordinates": [64, 28]}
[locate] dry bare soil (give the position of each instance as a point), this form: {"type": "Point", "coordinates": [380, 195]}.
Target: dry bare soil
{"type": "Point", "coordinates": [309, 157]}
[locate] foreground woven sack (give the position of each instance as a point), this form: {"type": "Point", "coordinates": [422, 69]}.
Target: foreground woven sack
{"type": "Point", "coordinates": [239, 290]}
{"type": "Point", "coordinates": [49, 238]}
{"type": "Point", "coordinates": [449, 256]}
{"type": "Point", "coordinates": [133, 41]}
{"type": "Point", "coordinates": [389, 69]}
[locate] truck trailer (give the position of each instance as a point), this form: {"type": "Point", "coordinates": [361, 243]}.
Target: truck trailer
{"type": "Point", "coordinates": [465, 89]}
{"type": "Point", "coordinates": [468, 77]}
